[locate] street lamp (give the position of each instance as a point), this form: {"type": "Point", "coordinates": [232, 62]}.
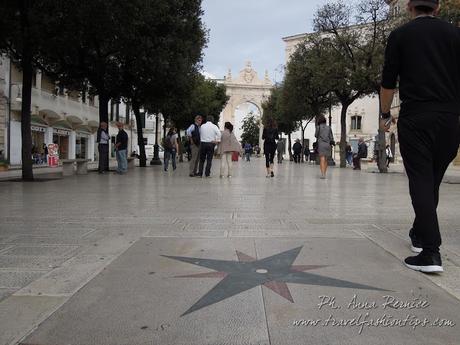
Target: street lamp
{"type": "Point", "coordinates": [330, 160]}
{"type": "Point", "coordinates": [156, 149]}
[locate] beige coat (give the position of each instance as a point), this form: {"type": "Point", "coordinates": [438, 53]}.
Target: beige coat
{"type": "Point", "coordinates": [228, 143]}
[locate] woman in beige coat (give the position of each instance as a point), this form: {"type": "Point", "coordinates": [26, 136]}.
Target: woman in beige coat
{"type": "Point", "coordinates": [228, 145]}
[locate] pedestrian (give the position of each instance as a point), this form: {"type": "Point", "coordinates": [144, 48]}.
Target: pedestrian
{"type": "Point", "coordinates": [257, 150]}
{"type": "Point", "coordinates": [349, 154]}
{"type": "Point", "coordinates": [103, 147]}
{"type": "Point", "coordinates": [389, 155]}
{"type": "Point", "coordinates": [325, 140]}
{"type": "Point", "coordinates": [45, 154]}
{"type": "Point", "coordinates": [297, 149]}
{"type": "Point", "coordinates": [228, 145]}
{"type": "Point", "coordinates": [248, 151]}
{"type": "Point", "coordinates": [270, 136]}
{"type": "Point", "coordinates": [280, 149]}
{"type": "Point", "coordinates": [171, 147]}
{"type": "Point", "coordinates": [121, 148]}
{"type": "Point", "coordinates": [193, 134]}
{"type": "Point", "coordinates": [424, 57]}
{"type": "Point", "coordinates": [210, 136]}
{"type": "Point", "coordinates": [306, 153]}
{"type": "Point", "coordinates": [362, 153]}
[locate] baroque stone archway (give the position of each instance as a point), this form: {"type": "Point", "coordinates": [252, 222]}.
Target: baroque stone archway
{"type": "Point", "coordinates": [246, 88]}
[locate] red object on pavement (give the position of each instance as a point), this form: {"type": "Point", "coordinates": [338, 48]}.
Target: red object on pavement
{"type": "Point", "coordinates": [53, 161]}
{"type": "Point", "coordinates": [235, 156]}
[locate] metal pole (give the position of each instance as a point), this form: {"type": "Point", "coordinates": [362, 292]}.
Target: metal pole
{"type": "Point", "coordinates": [331, 161]}
{"type": "Point", "coordinates": [8, 128]}
{"type": "Point", "coordinates": [156, 149]}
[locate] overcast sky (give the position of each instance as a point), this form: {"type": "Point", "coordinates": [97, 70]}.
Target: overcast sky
{"type": "Point", "coordinates": [251, 30]}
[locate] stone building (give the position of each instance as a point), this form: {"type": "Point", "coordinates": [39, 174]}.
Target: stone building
{"type": "Point", "coordinates": [59, 116]}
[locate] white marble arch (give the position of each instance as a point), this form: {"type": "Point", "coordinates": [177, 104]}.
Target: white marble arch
{"type": "Point", "coordinates": [246, 88]}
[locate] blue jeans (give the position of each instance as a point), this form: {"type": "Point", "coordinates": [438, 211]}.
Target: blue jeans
{"type": "Point", "coordinates": [170, 154]}
{"type": "Point", "coordinates": [122, 161]}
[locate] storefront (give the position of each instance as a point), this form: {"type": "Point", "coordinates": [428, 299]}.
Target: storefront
{"type": "Point", "coordinates": [38, 143]}
{"type": "Point", "coordinates": [61, 138]}
{"type": "Point", "coordinates": [81, 145]}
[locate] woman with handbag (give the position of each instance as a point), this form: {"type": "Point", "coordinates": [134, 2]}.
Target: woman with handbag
{"type": "Point", "coordinates": [325, 142]}
{"type": "Point", "coordinates": [227, 146]}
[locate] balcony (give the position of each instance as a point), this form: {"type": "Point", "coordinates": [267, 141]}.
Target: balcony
{"type": "Point", "coordinates": [55, 108]}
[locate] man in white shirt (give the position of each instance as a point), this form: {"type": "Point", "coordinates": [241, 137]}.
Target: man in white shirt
{"type": "Point", "coordinates": [209, 135]}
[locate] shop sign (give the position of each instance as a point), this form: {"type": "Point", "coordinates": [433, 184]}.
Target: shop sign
{"type": "Point", "coordinates": [38, 129]}
{"type": "Point", "coordinates": [61, 131]}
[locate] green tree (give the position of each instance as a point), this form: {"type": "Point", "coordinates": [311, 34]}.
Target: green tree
{"type": "Point", "coordinates": [349, 47]}
{"type": "Point", "coordinates": [22, 34]}
{"type": "Point", "coordinates": [450, 11]}
{"type": "Point", "coordinates": [251, 129]}
{"type": "Point", "coordinates": [160, 53]}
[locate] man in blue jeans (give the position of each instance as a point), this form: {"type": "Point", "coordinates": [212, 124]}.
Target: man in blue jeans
{"type": "Point", "coordinates": [121, 147]}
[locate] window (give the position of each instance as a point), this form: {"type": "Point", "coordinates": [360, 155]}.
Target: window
{"type": "Point", "coordinates": [356, 123]}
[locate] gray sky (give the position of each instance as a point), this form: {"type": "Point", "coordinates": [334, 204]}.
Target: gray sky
{"type": "Point", "coordinates": [251, 30]}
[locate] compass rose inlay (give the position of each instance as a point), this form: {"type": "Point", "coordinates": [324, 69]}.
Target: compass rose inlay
{"type": "Point", "coordinates": [273, 272]}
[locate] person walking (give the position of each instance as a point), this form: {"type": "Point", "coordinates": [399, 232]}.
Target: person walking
{"type": "Point", "coordinates": [389, 155]}
{"type": "Point", "coordinates": [424, 56]}
{"type": "Point", "coordinates": [297, 149]}
{"type": "Point", "coordinates": [306, 153]}
{"type": "Point", "coordinates": [103, 147]}
{"type": "Point", "coordinates": [210, 136]}
{"type": "Point", "coordinates": [270, 136]}
{"type": "Point", "coordinates": [349, 154]}
{"type": "Point", "coordinates": [280, 149]}
{"type": "Point", "coordinates": [121, 148]}
{"type": "Point", "coordinates": [228, 145]}
{"type": "Point", "coordinates": [171, 147]}
{"type": "Point", "coordinates": [325, 140]}
{"type": "Point", "coordinates": [193, 134]}
{"type": "Point", "coordinates": [362, 153]}
{"type": "Point", "coordinates": [248, 151]}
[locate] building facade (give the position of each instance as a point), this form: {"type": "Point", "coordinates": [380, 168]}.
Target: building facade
{"type": "Point", "coordinates": [61, 117]}
{"type": "Point", "coordinates": [362, 115]}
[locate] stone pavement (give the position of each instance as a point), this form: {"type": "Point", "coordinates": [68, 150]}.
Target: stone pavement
{"type": "Point", "coordinates": [161, 258]}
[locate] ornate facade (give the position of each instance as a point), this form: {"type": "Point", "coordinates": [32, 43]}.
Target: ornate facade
{"type": "Point", "coordinates": [246, 88]}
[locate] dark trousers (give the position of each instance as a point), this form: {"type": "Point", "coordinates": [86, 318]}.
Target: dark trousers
{"type": "Point", "coordinates": [428, 143]}
{"type": "Point", "coordinates": [357, 162]}
{"type": "Point", "coordinates": [297, 157]}
{"type": "Point", "coordinates": [269, 157]}
{"type": "Point", "coordinates": [103, 150]}
{"type": "Point", "coordinates": [206, 154]}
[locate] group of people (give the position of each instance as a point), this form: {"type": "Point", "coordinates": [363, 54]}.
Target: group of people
{"type": "Point", "coordinates": [121, 148]}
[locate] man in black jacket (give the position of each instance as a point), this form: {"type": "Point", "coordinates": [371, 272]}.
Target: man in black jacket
{"type": "Point", "coordinates": [424, 55]}
{"type": "Point", "coordinates": [121, 147]}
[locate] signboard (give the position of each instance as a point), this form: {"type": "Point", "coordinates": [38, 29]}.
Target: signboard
{"type": "Point", "coordinates": [38, 129]}
{"type": "Point", "coordinates": [53, 155]}
{"type": "Point", "coordinates": [59, 131]}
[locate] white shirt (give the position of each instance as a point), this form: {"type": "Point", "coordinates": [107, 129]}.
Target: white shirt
{"type": "Point", "coordinates": [209, 132]}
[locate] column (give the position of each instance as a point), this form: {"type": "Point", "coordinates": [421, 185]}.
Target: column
{"type": "Point", "coordinates": [91, 146]}
{"type": "Point", "coordinates": [72, 144]}
{"type": "Point", "coordinates": [49, 135]}
{"type": "Point", "coordinates": [38, 77]}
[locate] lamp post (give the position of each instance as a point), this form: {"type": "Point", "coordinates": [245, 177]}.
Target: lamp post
{"type": "Point", "coordinates": [330, 160]}
{"type": "Point", "coordinates": [156, 149]}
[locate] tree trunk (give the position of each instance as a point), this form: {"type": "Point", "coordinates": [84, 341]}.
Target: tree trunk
{"type": "Point", "coordinates": [382, 157]}
{"type": "Point", "coordinates": [140, 136]}
{"type": "Point", "coordinates": [289, 147]}
{"type": "Point", "coordinates": [103, 108]}
{"type": "Point", "coordinates": [181, 151]}
{"type": "Point", "coordinates": [303, 140]}
{"type": "Point", "coordinates": [26, 132]}
{"type": "Point", "coordinates": [343, 135]}
{"type": "Point", "coordinates": [27, 72]}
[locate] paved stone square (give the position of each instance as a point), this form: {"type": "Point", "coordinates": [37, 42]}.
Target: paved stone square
{"type": "Point", "coordinates": [162, 258]}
